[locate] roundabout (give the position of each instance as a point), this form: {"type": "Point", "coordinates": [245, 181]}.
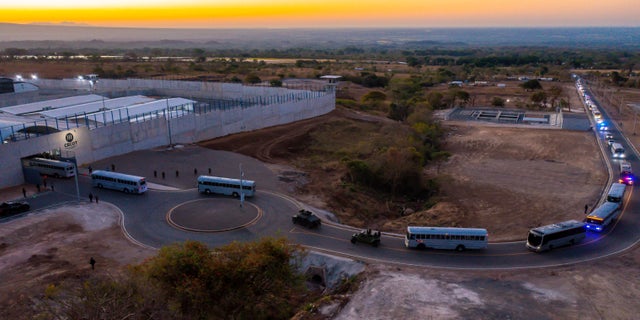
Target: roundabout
{"type": "Point", "coordinates": [213, 215]}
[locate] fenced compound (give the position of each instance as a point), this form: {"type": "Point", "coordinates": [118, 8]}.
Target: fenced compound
{"type": "Point", "coordinates": [216, 111]}
{"type": "Point", "coordinates": [60, 122]}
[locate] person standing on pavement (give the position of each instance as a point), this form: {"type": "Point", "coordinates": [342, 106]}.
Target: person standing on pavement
{"type": "Point", "coordinates": [24, 192]}
{"type": "Point", "coordinates": [90, 197]}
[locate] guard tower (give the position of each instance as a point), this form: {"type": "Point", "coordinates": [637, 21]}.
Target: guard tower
{"type": "Point", "coordinates": [332, 82]}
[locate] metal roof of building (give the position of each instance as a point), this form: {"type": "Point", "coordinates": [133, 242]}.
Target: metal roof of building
{"type": "Point", "coordinates": [33, 107]}
{"type": "Point", "coordinates": [102, 105]}
{"type": "Point", "coordinates": [120, 114]}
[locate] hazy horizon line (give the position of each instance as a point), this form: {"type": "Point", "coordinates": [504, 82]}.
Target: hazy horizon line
{"type": "Point", "coordinates": [85, 25]}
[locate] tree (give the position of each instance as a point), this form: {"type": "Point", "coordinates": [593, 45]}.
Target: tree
{"type": "Point", "coordinates": [401, 171]}
{"type": "Point", "coordinates": [414, 62]}
{"type": "Point", "coordinates": [539, 98]}
{"type": "Point", "coordinates": [248, 280]}
{"type": "Point", "coordinates": [374, 96]}
{"type": "Point", "coordinates": [617, 79]}
{"type": "Point", "coordinates": [374, 99]}
{"type": "Point", "coordinates": [252, 79]}
{"type": "Point", "coordinates": [434, 98]}
{"type": "Point", "coordinates": [554, 94]}
{"type": "Point", "coordinates": [13, 52]}
{"type": "Point", "coordinates": [464, 96]}
{"type": "Point", "coordinates": [454, 94]}
{"type": "Point", "coordinates": [241, 280]}
{"type": "Point", "coordinates": [497, 102]}
{"type": "Point", "coordinates": [199, 55]}
{"type": "Point", "coordinates": [565, 104]}
{"type": "Point", "coordinates": [531, 85]}
{"type": "Point", "coordinates": [398, 112]}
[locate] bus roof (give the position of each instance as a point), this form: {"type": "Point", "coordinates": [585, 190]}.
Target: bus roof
{"type": "Point", "coordinates": [617, 189]}
{"type": "Point", "coordinates": [116, 175]}
{"type": "Point", "coordinates": [560, 226]}
{"type": "Point", "coordinates": [52, 161]}
{"type": "Point", "coordinates": [223, 179]}
{"type": "Point", "coordinates": [604, 210]}
{"type": "Point", "coordinates": [446, 230]}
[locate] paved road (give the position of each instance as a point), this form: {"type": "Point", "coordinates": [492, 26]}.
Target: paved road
{"type": "Point", "coordinates": [145, 216]}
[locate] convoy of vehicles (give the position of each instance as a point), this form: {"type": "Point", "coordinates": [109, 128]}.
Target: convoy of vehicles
{"type": "Point", "coordinates": [226, 186]}
{"type": "Point", "coordinates": [118, 181]}
{"type": "Point", "coordinates": [539, 239]}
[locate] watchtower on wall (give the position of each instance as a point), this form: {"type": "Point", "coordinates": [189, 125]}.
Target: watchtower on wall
{"type": "Point", "coordinates": [332, 82]}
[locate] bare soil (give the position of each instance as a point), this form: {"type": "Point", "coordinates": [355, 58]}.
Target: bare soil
{"type": "Point", "coordinates": [54, 245]}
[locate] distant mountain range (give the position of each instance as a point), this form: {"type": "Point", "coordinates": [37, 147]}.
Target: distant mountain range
{"type": "Point", "coordinates": [30, 36]}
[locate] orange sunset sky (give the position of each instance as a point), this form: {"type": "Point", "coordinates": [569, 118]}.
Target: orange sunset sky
{"type": "Point", "coordinates": [325, 13]}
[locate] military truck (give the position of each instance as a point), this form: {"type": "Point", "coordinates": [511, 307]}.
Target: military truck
{"type": "Point", "coordinates": [367, 236]}
{"type": "Point", "coordinates": [307, 219]}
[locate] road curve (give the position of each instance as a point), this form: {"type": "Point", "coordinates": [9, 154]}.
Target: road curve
{"type": "Point", "coordinates": [145, 220]}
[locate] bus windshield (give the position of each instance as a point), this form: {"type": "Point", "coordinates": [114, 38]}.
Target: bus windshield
{"type": "Point", "coordinates": [534, 239]}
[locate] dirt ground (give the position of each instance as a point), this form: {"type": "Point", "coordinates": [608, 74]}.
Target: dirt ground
{"type": "Point", "coordinates": [44, 248]}
{"type": "Point", "coordinates": [495, 174]}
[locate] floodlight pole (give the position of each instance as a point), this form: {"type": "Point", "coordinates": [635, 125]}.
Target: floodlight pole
{"type": "Point", "coordinates": [169, 123]}
{"type": "Point", "coordinates": [76, 178]}
{"type": "Point", "coordinates": [241, 189]}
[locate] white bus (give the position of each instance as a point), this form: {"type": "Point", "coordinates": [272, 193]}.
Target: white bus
{"type": "Point", "coordinates": [617, 150]}
{"type": "Point", "coordinates": [118, 181]}
{"type": "Point", "coordinates": [556, 235]}
{"type": "Point", "coordinates": [602, 216]}
{"type": "Point", "coordinates": [226, 186]}
{"type": "Point", "coordinates": [616, 192]}
{"type": "Point", "coordinates": [55, 168]}
{"type": "Point", "coordinates": [446, 238]}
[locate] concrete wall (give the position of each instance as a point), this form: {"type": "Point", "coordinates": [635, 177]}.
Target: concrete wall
{"type": "Point", "coordinates": [104, 142]}
{"type": "Point", "coordinates": [11, 153]}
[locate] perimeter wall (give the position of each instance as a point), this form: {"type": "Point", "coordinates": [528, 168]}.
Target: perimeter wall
{"type": "Point", "coordinates": [89, 145]}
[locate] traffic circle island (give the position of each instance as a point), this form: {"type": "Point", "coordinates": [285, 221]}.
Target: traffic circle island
{"type": "Point", "coordinates": [213, 215]}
